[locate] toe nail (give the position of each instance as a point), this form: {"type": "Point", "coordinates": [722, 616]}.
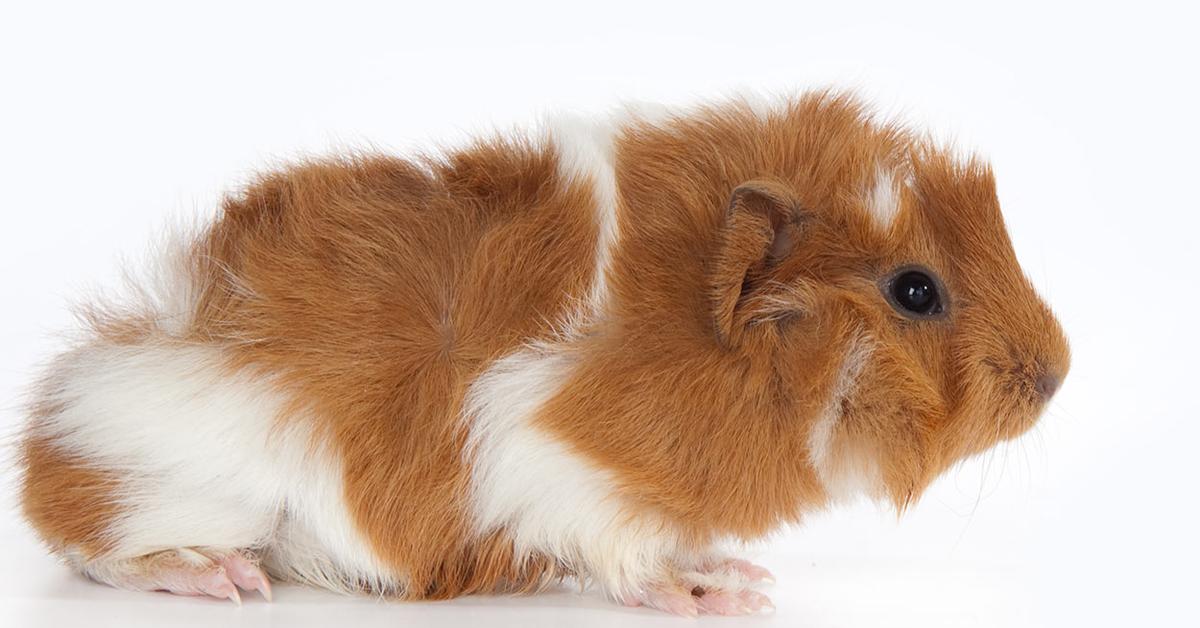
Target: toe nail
{"type": "Point", "coordinates": [264, 587]}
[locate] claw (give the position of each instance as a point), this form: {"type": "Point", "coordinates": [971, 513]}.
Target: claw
{"type": "Point", "coordinates": [722, 603]}
{"type": "Point", "coordinates": [756, 602]}
{"type": "Point", "coordinates": [750, 571]}
{"type": "Point", "coordinates": [213, 582]}
{"type": "Point", "coordinates": [247, 575]}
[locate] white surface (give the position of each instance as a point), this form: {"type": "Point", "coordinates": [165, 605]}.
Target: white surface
{"type": "Point", "coordinates": [115, 117]}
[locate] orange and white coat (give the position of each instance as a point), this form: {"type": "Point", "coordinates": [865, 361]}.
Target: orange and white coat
{"type": "Point", "coordinates": [594, 351]}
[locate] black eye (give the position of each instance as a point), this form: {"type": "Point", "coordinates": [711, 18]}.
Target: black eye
{"type": "Point", "coordinates": [915, 294]}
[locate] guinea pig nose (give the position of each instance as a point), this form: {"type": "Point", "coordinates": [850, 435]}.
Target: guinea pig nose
{"type": "Point", "coordinates": [1047, 384]}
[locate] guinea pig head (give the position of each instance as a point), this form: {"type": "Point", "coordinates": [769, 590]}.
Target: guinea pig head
{"type": "Point", "coordinates": [900, 323]}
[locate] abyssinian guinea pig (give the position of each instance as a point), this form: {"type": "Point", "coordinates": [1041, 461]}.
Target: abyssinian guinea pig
{"type": "Point", "coordinates": [599, 351]}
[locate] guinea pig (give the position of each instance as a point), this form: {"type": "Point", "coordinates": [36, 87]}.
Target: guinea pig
{"type": "Point", "coordinates": [598, 351]}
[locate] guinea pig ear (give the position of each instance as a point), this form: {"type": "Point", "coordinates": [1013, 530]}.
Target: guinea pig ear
{"type": "Point", "coordinates": [759, 231]}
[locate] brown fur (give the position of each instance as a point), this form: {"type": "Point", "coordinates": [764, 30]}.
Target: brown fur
{"type": "Point", "coordinates": [717, 436]}
{"type": "Point", "coordinates": [402, 283]}
{"type": "Point", "coordinates": [67, 500]}
{"type": "Point", "coordinates": [376, 289]}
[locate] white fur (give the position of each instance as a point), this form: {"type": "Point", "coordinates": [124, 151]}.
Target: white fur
{"type": "Point", "coordinates": [549, 498]}
{"type": "Point", "coordinates": [204, 456]}
{"type": "Point", "coordinates": [844, 472]}
{"type": "Point", "coordinates": [157, 288]}
{"type": "Point", "coordinates": [587, 148]}
{"type": "Point", "coordinates": [586, 152]}
{"type": "Point", "coordinates": [883, 198]}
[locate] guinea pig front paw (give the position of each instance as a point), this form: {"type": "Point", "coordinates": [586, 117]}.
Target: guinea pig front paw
{"type": "Point", "coordinates": [717, 588]}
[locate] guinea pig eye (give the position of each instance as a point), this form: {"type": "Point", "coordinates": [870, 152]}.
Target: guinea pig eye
{"type": "Point", "coordinates": [915, 293]}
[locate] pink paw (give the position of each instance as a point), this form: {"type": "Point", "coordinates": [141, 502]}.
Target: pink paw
{"type": "Point", "coordinates": [718, 588]}
{"type": "Point", "coordinates": [186, 571]}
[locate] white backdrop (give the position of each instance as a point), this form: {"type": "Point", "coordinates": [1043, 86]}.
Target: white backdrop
{"type": "Point", "coordinates": [114, 119]}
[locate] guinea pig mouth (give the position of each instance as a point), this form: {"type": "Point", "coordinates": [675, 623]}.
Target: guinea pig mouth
{"type": "Point", "coordinates": [1028, 381]}
{"type": "Point", "coordinates": [1027, 388]}
{"type": "Point", "coordinates": [1022, 391]}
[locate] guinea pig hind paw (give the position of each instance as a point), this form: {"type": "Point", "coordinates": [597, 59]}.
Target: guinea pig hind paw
{"type": "Point", "coordinates": [193, 580]}
{"type": "Point", "coordinates": [186, 571]}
